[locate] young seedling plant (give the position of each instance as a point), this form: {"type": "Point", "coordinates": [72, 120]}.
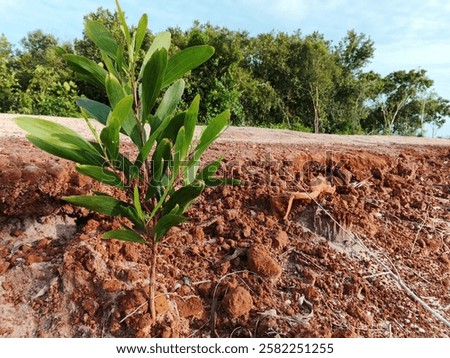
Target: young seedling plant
{"type": "Point", "coordinates": [164, 178]}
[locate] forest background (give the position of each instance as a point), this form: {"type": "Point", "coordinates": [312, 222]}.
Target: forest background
{"type": "Point", "coordinates": [276, 80]}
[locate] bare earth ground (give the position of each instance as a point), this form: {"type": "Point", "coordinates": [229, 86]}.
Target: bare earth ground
{"type": "Point", "coordinates": [238, 268]}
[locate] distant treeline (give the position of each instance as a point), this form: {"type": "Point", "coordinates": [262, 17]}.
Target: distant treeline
{"type": "Point", "coordinates": [278, 80]}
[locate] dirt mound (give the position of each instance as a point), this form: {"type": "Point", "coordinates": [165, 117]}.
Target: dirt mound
{"type": "Point", "coordinates": [237, 268]}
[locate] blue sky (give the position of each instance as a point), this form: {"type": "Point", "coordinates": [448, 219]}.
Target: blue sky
{"type": "Point", "coordinates": [408, 34]}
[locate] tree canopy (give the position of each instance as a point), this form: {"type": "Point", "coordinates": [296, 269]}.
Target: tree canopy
{"type": "Point", "coordinates": [295, 81]}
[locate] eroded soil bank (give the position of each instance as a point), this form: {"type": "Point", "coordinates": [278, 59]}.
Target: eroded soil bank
{"type": "Point", "coordinates": [238, 268]}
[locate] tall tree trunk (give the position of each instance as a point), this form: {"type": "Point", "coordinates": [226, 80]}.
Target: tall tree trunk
{"type": "Point", "coordinates": [315, 100]}
{"type": "Point", "coordinates": [316, 119]}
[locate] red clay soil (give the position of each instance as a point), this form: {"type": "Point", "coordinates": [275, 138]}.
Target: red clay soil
{"type": "Point", "coordinates": [336, 267]}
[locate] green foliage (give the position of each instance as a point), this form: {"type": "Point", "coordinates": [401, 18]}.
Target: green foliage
{"type": "Point", "coordinates": [46, 95]}
{"type": "Point", "coordinates": [162, 183]}
{"type": "Point", "coordinates": [273, 79]}
{"type": "Point", "coordinates": [34, 81]}
{"type": "Point", "coordinates": [354, 52]}
{"type": "Point", "coordinates": [434, 111]}
{"type": "Point", "coordinates": [395, 108]}
{"type": "Point", "coordinates": [8, 80]}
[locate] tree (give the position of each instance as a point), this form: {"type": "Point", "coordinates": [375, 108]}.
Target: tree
{"type": "Point", "coordinates": [46, 94]}
{"type": "Point", "coordinates": [433, 110]}
{"type": "Point", "coordinates": [259, 103]}
{"type": "Point", "coordinates": [354, 87]}
{"type": "Point", "coordinates": [44, 84]}
{"type": "Point", "coordinates": [273, 79]}
{"type": "Point", "coordinates": [37, 48]}
{"type": "Point", "coordinates": [354, 52]}
{"type": "Point", "coordinates": [316, 71]}
{"type": "Point", "coordinates": [399, 92]}
{"type": "Point", "coordinates": [268, 62]}
{"type": "Point", "coordinates": [217, 81]}
{"type": "Point", "coordinates": [8, 81]}
{"type": "Point", "coordinates": [302, 71]}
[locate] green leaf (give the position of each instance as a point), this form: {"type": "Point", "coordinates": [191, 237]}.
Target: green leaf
{"type": "Point", "coordinates": [154, 122]}
{"type": "Point", "coordinates": [119, 57]}
{"type": "Point", "coordinates": [171, 130]}
{"type": "Point", "coordinates": [110, 134]}
{"type": "Point", "coordinates": [185, 61]}
{"type": "Point", "coordinates": [109, 63]}
{"type": "Point", "coordinates": [131, 129]}
{"type": "Point", "coordinates": [101, 174]}
{"type": "Point", "coordinates": [98, 110]}
{"type": "Point", "coordinates": [114, 90]}
{"type": "Point", "coordinates": [209, 135]}
{"type": "Point", "coordinates": [102, 204]}
{"type": "Point", "coordinates": [131, 213]}
{"type": "Point", "coordinates": [190, 120]}
{"type": "Point", "coordinates": [101, 37]}
{"type": "Point", "coordinates": [87, 69]}
{"type": "Point", "coordinates": [165, 223]}
{"type": "Point", "coordinates": [137, 203]}
{"type": "Point", "coordinates": [145, 150]}
{"type": "Point", "coordinates": [179, 153]}
{"type": "Point", "coordinates": [45, 129]}
{"type": "Point", "coordinates": [101, 112]}
{"type": "Point", "coordinates": [125, 235]}
{"type": "Point", "coordinates": [110, 140]}
{"type": "Point", "coordinates": [120, 112]}
{"type": "Point", "coordinates": [184, 196]}
{"type": "Point", "coordinates": [131, 51]}
{"type": "Point", "coordinates": [77, 156]}
{"type": "Point", "coordinates": [170, 101]}
{"type": "Point", "coordinates": [161, 159]}
{"type": "Point", "coordinates": [124, 26]}
{"type": "Point", "coordinates": [151, 81]}
{"type": "Point", "coordinates": [59, 140]}
{"type": "Point", "coordinates": [60, 51]}
{"type": "Point", "coordinates": [181, 149]}
{"type": "Point", "coordinates": [208, 172]}
{"type": "Point", "coordinates": [123, 164]}
{"type": "Point", "coordinates": [141, 32]}
{"type": "Point", "coordinates": [212, 132]}
{"type": "Point", "coordinates": [161, 40]}
{"type": "Point", "coordinates": [107, 205]}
